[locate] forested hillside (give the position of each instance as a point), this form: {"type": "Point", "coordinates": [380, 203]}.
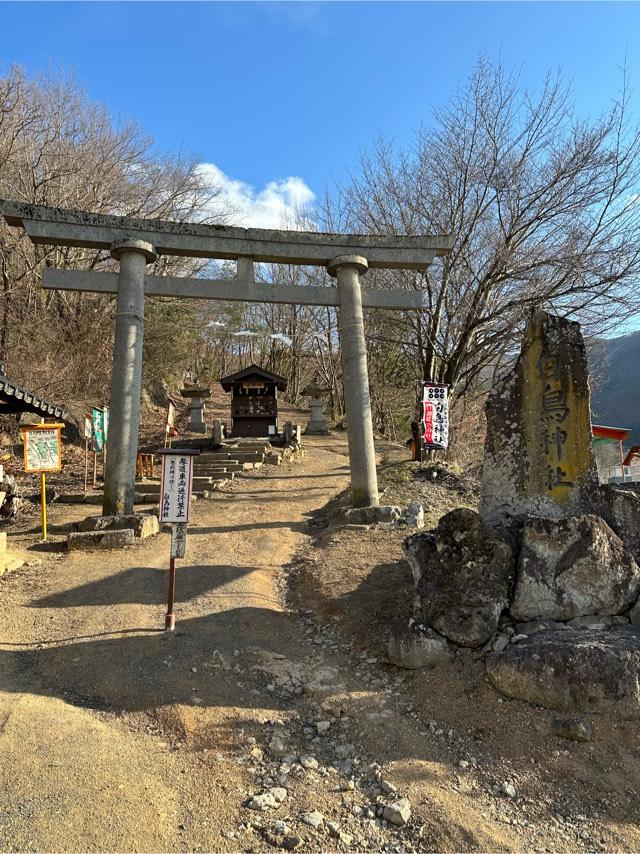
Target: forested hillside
{"type": "Point", "coordinates": [616, 396]}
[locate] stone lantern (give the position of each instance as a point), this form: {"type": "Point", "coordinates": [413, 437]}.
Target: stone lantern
{"type": "Point", "coordinates": [195, 393]}
{"type": "Point", "coordinates": [317, 426]}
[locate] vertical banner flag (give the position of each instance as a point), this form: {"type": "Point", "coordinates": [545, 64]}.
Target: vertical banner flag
{"type": "Point", "coordinates": [435, 417]}
{"type": "Point", "coordinates": [97, 417]}
{"type": "Point", "coordinates": [88, 428]}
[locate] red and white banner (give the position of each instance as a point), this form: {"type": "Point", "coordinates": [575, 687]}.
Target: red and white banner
{"type": "Point", "coordinates": [435, 416]}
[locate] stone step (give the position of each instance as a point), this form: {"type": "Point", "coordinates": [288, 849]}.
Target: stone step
{"type": "Point", "coordinates": [239, 457]}
{"type": "Point", "coordinates": [224, 465]}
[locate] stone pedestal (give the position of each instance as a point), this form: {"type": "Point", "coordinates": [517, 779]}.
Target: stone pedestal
{"type": "Point", "coordinates": [317, 425]}
{"type": "Point", "coordinates": [195, 395]}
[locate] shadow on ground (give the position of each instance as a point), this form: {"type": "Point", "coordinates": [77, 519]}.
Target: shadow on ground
{"type": "Point", "coordinates": [145, 586]}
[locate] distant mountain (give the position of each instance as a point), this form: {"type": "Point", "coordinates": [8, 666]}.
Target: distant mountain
{"type": "Point", "coordinates": [615, 396]}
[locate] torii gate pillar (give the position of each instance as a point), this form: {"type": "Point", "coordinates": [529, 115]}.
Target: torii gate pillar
{"type": "Point", "coordinates": [355, 378]}
{"type": "Point", "coordinates": [126, 378]}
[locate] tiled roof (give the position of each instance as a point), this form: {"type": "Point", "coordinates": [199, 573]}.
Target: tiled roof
{"type": "Point", "coordinates": [14, 398]}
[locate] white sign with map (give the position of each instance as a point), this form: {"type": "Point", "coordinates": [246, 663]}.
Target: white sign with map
{"type": "Point", "coordinates": [42, 450]}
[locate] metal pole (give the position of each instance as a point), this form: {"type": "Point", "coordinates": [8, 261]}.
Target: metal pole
{"type": "Point", "coordinates": [362, 457]}
{"type": "Point", "coordinates": [170, 618]}
{"type": "Point", "coordinates": [43, 503]}
{"type": "Point", "coordinates": [126, 378]}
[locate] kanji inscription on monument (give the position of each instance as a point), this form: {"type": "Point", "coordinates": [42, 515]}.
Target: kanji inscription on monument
{"type": "Point", "coordinates": [538, 453]}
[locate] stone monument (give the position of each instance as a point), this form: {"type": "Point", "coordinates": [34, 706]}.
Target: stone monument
{"type": "Point", "coordinates": [316, 426]}
{"type": "Point", "coordinates": [546, 579]}
{"type": "Point", "coordinates": [195, 393]}
{"type": "Point", "coordinates": [538, 454]}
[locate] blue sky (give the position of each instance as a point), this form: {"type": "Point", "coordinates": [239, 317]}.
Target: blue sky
{"type": "Point", "coordinates": [291, 92]}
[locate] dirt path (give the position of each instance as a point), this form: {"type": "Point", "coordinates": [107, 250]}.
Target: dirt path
{"type": "Point", "coordinates": [89, 682]}
{"type": "Point", "coordinates": [117, 736]}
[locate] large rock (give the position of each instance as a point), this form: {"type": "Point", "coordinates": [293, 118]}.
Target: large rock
{"type": "Point", "coordinates": [418, 550]}
{"type": "Point", "coordinates": [93, 540]}
{"type": "Point", "coordinates": [538, 456]}
{"type": "Point", "coordinates": [415, 646]}
{"type": "Point", "coordinates": [143, 525]}
{"type": "Point", "coordinates": [578, 670]}
{"type": "Point", "coordinates": [465, 582]}
{"type": "Point", "coordinates": [621, 509]}
{"type": "Point", "coordinates": [573, 567]}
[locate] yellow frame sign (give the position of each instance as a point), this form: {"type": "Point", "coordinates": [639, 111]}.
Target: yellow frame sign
{"type": "Point", "coordinates": [29, 458]}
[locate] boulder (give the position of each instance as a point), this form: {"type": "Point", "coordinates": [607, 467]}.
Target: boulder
{"type": "Point", "coordinates": [571, 568]}
{"type": "Point", "coordinates": [418, 550]}
{"type": "Point", "coordinates": [573, 729]}
{"type": "Point", "coordinates": [414, 515]}
{"type": "Point", "coordinates": [465, 583]}
{"type": "Point", "coordinates": [93, 540]}
{"type": "Point", "coordinates": [386, 513]}
{"type": "Point", "coordinates": [578, 670]}
{"type": "Point", "coordinates": [621, 509]}
{"type": "Point", "coordinates": [413, 645]}
{"type": "Point", "coordinates": [143, 525]}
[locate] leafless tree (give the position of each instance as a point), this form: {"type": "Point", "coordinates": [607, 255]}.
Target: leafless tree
{"type": "Point", "coordinates": [543, 208]}
{"type": "Point", "coordinates": [57, 148]}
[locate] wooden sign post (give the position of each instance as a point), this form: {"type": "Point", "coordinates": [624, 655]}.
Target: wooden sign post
{"type": "Point", "coordinates": [88, 432]}
{"type": "Point", "coordinates": [42, 453]}
{"type": "Point", "coordinates": [175, 500]}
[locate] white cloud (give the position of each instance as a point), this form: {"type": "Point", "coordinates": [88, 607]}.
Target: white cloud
{"type": "Point", "coordinates": [273, 206]}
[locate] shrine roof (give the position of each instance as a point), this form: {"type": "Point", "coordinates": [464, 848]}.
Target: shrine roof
{"type": "Point", "coordinates": [15, 399]}
{"type": "Point", "coordinates": [609, 434]}
{"type": "Point", "coordinates": [253, 371]}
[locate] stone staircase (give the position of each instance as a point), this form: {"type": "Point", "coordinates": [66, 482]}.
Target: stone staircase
{"type": "Point", "coordinates": [214, 466]}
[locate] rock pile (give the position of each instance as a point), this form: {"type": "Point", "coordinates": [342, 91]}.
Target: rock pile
{"type": "Point", "coordinates": [545, 577]}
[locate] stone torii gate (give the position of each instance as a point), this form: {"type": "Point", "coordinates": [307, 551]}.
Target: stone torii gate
{"type": "Point", "coordinates": [138, 242]}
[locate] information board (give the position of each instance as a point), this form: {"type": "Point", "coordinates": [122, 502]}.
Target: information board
{"type": "Point", "coordinates": [435, 417]}
{"type": "Point", "coordinates": [42, 449]}
{"type": "Point", "coordinates": [175, 488]}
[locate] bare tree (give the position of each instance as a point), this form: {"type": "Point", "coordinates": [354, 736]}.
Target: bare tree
{"type": "Point", "coordinates": [57, 148]}
{"type": "Point", "coordinates": [543, 208]}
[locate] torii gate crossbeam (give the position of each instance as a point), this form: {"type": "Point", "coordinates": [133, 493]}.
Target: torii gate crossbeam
{"type": "Point", "coordinates": [138, 242]}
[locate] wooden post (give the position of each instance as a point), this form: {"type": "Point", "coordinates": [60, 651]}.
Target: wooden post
{"type": "Point", "coordinates": [95, 468]}
{"type": "Point", "coordinates": [170, 618]}
{"type": "Point", "coordinates": [86, 463]}
{"type": "Point", "coordinates": [43, 503]}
